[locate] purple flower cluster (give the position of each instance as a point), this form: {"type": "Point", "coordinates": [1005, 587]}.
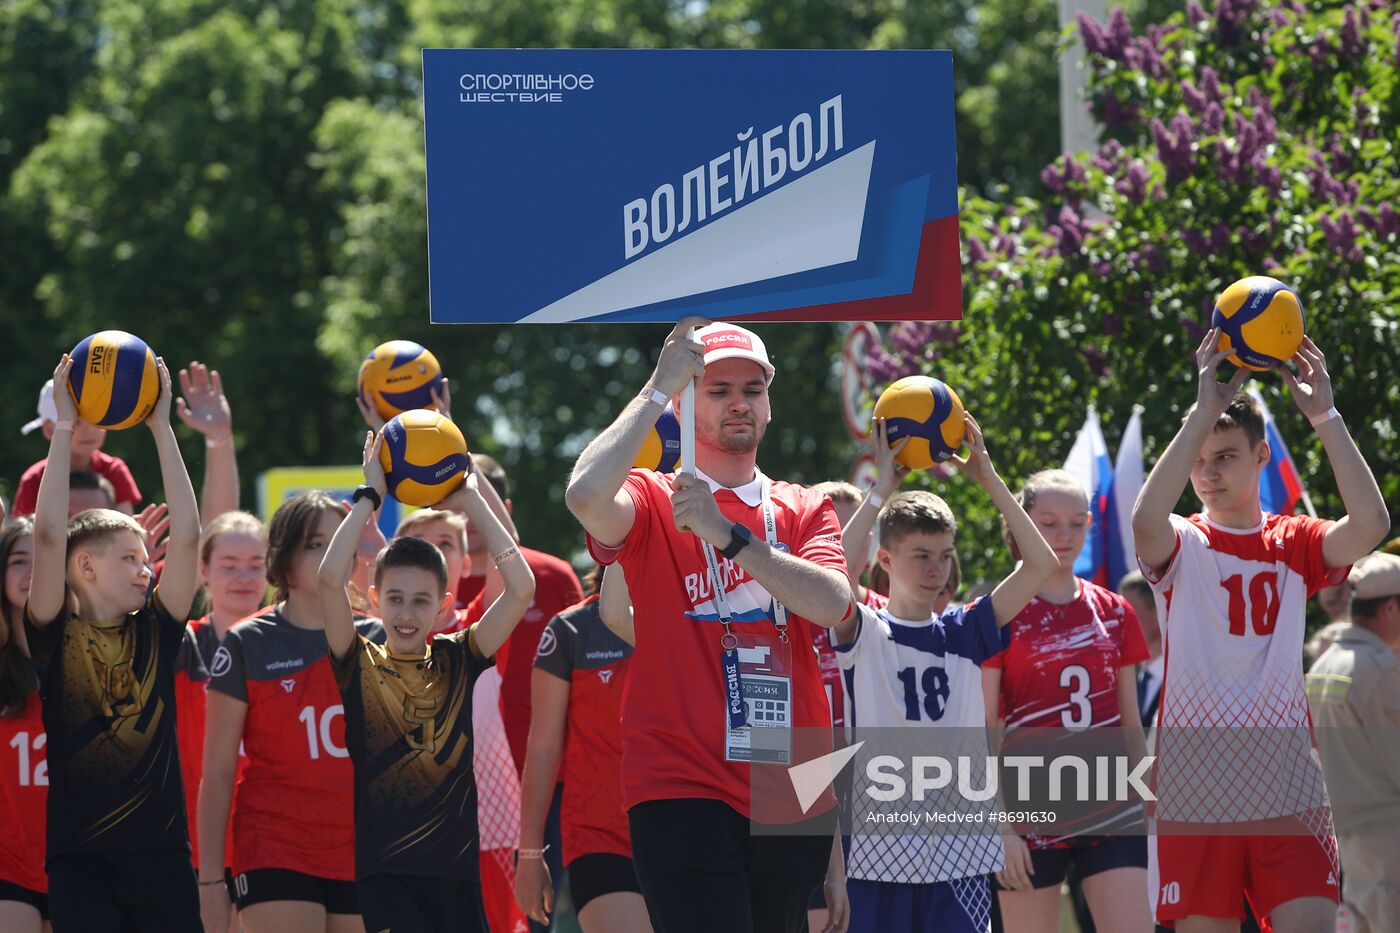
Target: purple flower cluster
{"type": "Point", "coordinates": [1244, 158]}
{"type": "Point", "coordinates": [976, 251]}
{"type": "Point", "coordinates": [1068, 230]}
{"type": "Point", "coordinates": [1230, 19]}
{"type": "Point", "coordinates": [1341, 234]}
{"type": "Point", "coordinates": [1133, 184]}
{"type": "Point", "coordinates": [1383, 222]}
{"type": "Point", "coordinates": [1195, 13]}
{"type": "Point", "coordinates": [1148, 258]}
{"type": "Point", "coordinates": [1353, 42]}
{"type": "Point", "coordinates": [912, 344]}
{"type": "Point", "coordinates": [1208, 244]}
{"type": "Point", "coordinates": [1175, 144]}
{"type": "Point", "coordinates": [1063, 173]}
{"type": "Point", "coordinates": [1107, 39]}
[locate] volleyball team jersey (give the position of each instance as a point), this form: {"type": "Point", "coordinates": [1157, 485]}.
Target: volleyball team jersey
{"type": "Point", "coordinates": [1234, 736]}
{"type": "Point", "coordinates": [903, 673]}
{"type": "Point", "coordinates": [408, 726]}
{"type": "Point", "coordinates": [191, 679]}
{"type": "Point", "coordinates": [24, 789]}
{"type": "Point", "coordinates": [108, 695]}
{"type": "Point", "coordinates": [1062, 666]}
{"type": "Point", "coordinates": [674, 725]}
{"type": "Point", "coordinates": [294, 798]}
{"type": "Point", "coordinates": [556, 589]}
{"type": "Point", "coordinates": [578, 648]}
{"type": "Point", "coordinates": [1061, 672]}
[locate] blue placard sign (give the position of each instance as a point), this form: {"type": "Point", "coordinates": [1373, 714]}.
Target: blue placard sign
{"type": "Point", "coordinates": [629, 185]}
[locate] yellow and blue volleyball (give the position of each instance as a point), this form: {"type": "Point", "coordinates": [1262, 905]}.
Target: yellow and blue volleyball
{"type": "Point", "coordinates": [424, 457]}
{"type": "Point", "coordinates": [114, 380]}
{"type": "Point", "coordinates": [1261, 320]}
{"type": "Point", "coordinates": [661, 451]}
{"type": "Point", "coordinates": [399, 376]}
{"type": "Point", "coordinates": [928, 413]}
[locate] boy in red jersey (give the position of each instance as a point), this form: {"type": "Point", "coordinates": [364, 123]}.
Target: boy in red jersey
{"type": "Point", "coordinates": [408, 714]}
{"type": "Point", "coordinates": [118, 850]}
{"type": "Point", "coordinates": [705, 631]}
{"type": "Point", "coordinates": [1231, 585]}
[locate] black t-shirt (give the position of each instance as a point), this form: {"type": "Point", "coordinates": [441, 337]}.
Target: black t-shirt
{"type": "Point", "coordinates": [108, 694]}
{"type": "Point", "coordinates": [408, 726]}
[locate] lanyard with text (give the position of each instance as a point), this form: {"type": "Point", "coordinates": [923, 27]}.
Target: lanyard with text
{"type": "Point", "coordinates": [729, 644]}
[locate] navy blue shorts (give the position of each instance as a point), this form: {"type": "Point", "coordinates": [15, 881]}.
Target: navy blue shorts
{"type": "Point", "coordinates": [1052, 865]}
{"type": "Point", "coordinates": [963, 905]}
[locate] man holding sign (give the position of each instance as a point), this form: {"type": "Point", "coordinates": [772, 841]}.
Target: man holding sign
{"type": "Point", "coordinates": [729, 571]}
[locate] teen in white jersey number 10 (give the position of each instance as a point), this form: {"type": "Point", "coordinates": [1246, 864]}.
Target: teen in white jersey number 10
{"type": "Point", "coordinates": [1231, 582]}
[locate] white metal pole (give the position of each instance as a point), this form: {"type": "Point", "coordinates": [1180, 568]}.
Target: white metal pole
{"type": "Point", "coordinates": [688, 421]}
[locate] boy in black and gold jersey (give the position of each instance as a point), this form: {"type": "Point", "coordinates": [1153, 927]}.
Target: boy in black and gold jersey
{"type": "Point", "coordinates": [408, 713]}
{"type": "Point", "coordinates": [118, 851]}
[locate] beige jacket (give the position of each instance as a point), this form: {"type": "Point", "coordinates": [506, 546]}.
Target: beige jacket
{"type": "Point", "coordinates": [1354, 694]}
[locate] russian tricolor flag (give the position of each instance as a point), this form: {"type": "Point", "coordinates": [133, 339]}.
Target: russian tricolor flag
{"type": "Point", "coordinates": [1280, 485]}
{"type": "Point", "coordinates": [1113, 487]}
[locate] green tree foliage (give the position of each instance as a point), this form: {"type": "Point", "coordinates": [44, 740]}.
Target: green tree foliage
{"type": "Point", "coordinates": [1250, 139]}
{"type": "Point", "coordinates": [242, 182]}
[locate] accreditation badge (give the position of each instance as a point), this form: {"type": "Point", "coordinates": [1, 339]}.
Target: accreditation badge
{"type": "Point", "coordinates": [765, 680]}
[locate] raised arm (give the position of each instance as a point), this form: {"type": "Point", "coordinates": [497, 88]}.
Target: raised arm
{"type": "Point", "coordinates": [615, 604]}
{"type": "Point", "coordinates": [855, 537]}
{"type": "Point", "coordinates": [339, 563]}
{"type": "Point", "coordinates": [203, 407]}
{"type": "Point", "coordinates": [595, 494]}
{"type": "Point", "coordinates": [506, 610]}
{"type": "Point", "coordinates": [179, 580]}
{"type": "Point", "coordinates": [48, 583]}
{"type": "Point", "coordinates": [1038, 561]}
{"type": "Point", "coordinates": [1153, 537]}
{"type": "Point", "coordinates": [1367, 521]}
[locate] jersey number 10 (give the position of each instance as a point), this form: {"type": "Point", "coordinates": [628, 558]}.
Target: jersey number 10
{"type": "Point", "coordinates": [1260, 604]}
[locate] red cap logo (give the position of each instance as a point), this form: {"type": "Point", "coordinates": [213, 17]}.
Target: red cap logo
{"type": "Point", "coordinates": [728, 338]}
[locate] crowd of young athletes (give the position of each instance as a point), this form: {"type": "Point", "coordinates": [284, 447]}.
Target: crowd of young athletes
{"type": "Point", "coordinates": [356, 734]}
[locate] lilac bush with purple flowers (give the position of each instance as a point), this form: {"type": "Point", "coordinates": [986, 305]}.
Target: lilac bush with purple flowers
{"type": "Point", "coordinates": [1241, 137]}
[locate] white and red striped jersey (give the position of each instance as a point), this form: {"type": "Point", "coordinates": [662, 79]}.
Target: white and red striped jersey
{"type": "Point", "coordinates": [1235, 735]}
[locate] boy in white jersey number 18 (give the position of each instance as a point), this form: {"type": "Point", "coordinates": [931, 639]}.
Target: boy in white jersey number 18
{"type": "Point", "coordinates": [1234, 756]}
{"type": "Point", "coordinates": [909, 667]}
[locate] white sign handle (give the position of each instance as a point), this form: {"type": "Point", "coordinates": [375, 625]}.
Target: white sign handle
{"type": "Point", "coordinates": [688, 421]}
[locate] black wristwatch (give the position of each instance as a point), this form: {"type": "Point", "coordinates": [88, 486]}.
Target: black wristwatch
{"type": "Point", "coordinates": [741, 537]}
{"type": "Point", "coordinates": [370, 493]}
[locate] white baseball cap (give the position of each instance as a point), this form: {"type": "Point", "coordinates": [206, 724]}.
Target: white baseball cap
{"type": "Point", "coordinates": [48, 411]}
{"type": "Point", "coordinates": [1375, 576]}
{"type": "Point", "coordinates": [730, 341]}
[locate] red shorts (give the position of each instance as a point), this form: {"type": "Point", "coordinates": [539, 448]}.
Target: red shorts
{"type": "Point", "coordinates": [1206, 875]}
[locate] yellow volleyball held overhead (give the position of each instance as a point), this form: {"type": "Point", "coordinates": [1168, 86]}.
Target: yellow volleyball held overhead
{"type": "Point", "coordinates": [928, 413]}
{"type": "Point", "coordinates": [114, 380]}
{"type": "Point", "coordinates": [424, 457]}
{"type": "Point", "coordinates": [1261, 319]}
{"type": "Point", "coordinates": [399, 376]}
